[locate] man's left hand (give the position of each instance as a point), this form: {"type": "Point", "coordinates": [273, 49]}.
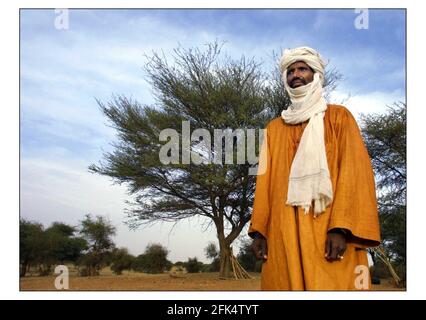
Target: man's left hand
{"type": "Point", "coordinates": [335, 245]}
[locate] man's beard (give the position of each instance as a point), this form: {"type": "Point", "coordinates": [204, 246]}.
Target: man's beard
{"type": "Point", "coordinates": [302, 81]}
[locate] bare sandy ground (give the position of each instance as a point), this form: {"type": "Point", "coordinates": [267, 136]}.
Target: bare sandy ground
{"type": "Point", "coordinates": [131, 281]}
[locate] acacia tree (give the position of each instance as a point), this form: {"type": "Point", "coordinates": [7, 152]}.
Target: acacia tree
{"type": "Point", "coordinates": [31, 243]}
{"type": "Point", "coordinates": [60, 244]}
{"type": "Point", "coordinates": [121, 260]}
{"type": "Point", "coordinates": [153, 260]}
{"type": "Point", "coordinates": [63, 243]}
{"type": "Point", "coordinates": [385, 138]}
{"type": "Point", "coordinates": [211, 93]}
{"type": "Point", "coordinates": [98, 233]}
{"type": "Point", "coordinates": [193, 265]}
{"type": "Point", "coordinates": [45, 247]}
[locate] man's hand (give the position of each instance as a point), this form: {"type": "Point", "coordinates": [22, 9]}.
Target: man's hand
{"type": "Point", "coordinates": [335, 245]}
{"type": "Point", "coordinates": [260, 247]}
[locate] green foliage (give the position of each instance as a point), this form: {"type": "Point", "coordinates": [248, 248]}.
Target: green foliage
{"type": "Point", "coordinates": [153, 260]}
{"type": "Point", "coordinates": [247, 258]}
{"type": "Point", "coordinates": [62, 243]}
{"type": "Point", "coordinates": [44, 248]}
{"type": "Point", "coordinates": [210, 94]}
{"type": "Point", "coordinates": [121, 260]}
{"type": "Point", "coordinates": [98, 233]}
{"type": "Point", "coordinates": [212, 253]}
{"type": "Point", "coordinates": [180, 264]}
{"type": "Point", "coordinates": [385, 139]}
{"type": "Point", "coordinates": [214, 266]}
{"type": "Point", "coordinates": [85, 272]}
{"type": "Point", "coordinates": [30, 244]}
{"type": "Point", "coordinates": [193, 265]}
{"type": "Point", "coordinates": [89, 265]}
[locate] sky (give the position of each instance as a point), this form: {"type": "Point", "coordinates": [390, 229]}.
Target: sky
{"type": "Point", "coordinates": [102, 52]}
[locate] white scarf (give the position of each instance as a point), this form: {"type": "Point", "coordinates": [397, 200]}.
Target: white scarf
{"type": "Point", "coordinates": [309, 179]}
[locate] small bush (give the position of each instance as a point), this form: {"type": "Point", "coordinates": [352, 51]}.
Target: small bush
{"type": "Point", "coordinates": [193, 265]}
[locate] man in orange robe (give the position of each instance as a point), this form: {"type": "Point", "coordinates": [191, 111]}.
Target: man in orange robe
{"type": "Point", "coordinates": [315, 209]}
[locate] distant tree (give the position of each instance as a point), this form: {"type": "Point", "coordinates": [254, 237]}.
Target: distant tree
{"type": "Point", "coordinates": [385, 138]}
{"type": "Point", "coordinates": [246, 257]}
{"type": "Point", "coordinates": [60, 244]}
{"type": "Point", "coordinates": [46, 247]}
{"type": "Point", "coordinates": [139, 263]}
{"type": "Point", "coordinates": [212, 253]}
{"type": "Point", "coordinates": [64, 244]}
{"type": "Point", "coordinates": [121, 260]}
{"type": "Point", "coordinates": [98, 233]}
{"type": "Point", "coordinates": [31, 244]}
{"type": "Point", "coordinates": [193, 265]}
{"type": "Point", "coordinates": [153, 260]}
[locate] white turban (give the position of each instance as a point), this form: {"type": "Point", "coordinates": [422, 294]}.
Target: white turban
{"type": "Point", "coordinates": [305, 54]}
{"type": "Point", "coordinates": [309, 179]}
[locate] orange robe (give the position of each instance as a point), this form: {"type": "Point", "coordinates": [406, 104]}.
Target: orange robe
{"type": "Point", "coordinates": [296, 241]}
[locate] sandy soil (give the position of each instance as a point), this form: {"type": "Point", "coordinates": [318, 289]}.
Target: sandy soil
{"type": "Point", "coordinates": [130, 281]}
{"type": "Point", "coordinates": [142, 282]}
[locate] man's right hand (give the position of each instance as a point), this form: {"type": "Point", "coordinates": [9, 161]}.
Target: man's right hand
{"type": "Point", "coordinates": [260, 247]}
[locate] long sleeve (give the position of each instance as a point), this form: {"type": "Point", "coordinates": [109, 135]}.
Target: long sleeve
{"type": "Point", "coordinates": [261, 206]}
{"type": "Point", "coordinates": [354, 205]}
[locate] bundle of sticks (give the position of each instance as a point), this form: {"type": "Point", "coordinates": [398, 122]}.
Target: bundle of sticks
{"type": "Point", "coordinates": [238, 270]}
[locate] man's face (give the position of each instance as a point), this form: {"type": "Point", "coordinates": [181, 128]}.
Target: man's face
{"type": "Point", "coordinates": [299, 74]}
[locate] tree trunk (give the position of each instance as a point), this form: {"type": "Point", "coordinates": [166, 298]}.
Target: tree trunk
{"type": "Point", "coordinates": [224, 249]}
{"type": "Point", "coordinates": [225, 243]}
{"type": "Point", "coordinates": [23, 269]}
{"type": "Point", "coordinates": [225, 261]}
{"type": "Point", "coordinates": [91, 270]}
